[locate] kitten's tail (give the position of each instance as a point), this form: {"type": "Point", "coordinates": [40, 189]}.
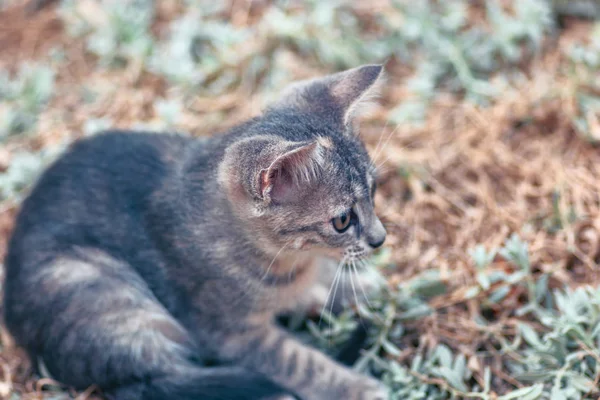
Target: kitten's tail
{"type": "Point", "coordinates": [218, 383]}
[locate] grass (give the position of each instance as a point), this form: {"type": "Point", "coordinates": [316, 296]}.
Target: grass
{"type": "Point", "coordinates": [486, 141]}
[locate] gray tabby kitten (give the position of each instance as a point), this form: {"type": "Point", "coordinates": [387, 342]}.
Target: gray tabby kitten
{"type": "Point", "coordinates": [153, 265]}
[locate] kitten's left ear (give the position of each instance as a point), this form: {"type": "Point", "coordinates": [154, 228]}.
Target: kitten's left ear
{"type": "Point", "coordinates": [269, 170]}
{"type": "Point", "coordinates": [343, 95]}
{"type": "Point", "coordinates": [296, 165]}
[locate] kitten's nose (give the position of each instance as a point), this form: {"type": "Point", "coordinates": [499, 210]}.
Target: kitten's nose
{"type": "Point", "coordinates": [377, 244]}
{"type": "Point", "coordinates": [376, 235]}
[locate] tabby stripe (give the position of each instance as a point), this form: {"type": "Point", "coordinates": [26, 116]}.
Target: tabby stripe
{"type": "Point", "coordinates": [308, 228]}
{"type": "Point", "coordinates": [308, 372]}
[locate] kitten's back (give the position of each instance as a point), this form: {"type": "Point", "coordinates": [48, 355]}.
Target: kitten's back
{"type": "Point", "coordinates": [81, 265]}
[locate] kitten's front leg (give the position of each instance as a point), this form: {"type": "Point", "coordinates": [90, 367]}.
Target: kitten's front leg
{"type": "Point", "coordinates": [303, 370]}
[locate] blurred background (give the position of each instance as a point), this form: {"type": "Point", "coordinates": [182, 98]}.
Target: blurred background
{"type": "Point", "coordinates": [486, 139]}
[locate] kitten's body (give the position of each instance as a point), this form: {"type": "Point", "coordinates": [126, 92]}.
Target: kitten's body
{"type": "Point", "coordinates": [138, 259]}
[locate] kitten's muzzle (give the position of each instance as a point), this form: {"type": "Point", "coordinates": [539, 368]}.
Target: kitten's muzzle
{"type": "Point", "coordinates": [376, 234]}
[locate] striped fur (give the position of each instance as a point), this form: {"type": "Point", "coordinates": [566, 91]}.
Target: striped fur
{"type": "Point", "coordinates": [153, 266]}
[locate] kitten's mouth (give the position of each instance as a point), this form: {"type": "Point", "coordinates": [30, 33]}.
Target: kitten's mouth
{"type": "Point", "coordinates": [353, 256]}
{"type": "Point", "coordinates": [355, 253]}
{"type": "Point", "coordinates": [355, 261]}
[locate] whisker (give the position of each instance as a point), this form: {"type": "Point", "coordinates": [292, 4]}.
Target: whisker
{"type": "Point", "coordinates": [365, 294]}
{"type": "Point", "coordinates": [353, 287]}
{"type": "Point", "coordinates": [273, 261]}
{"type": "Point", "coordinates": [397, 149]}
{"type": "Point", "coordinates": [335, 291]}
{"type": "Point", "coordinates": [385, 144]}
{"type": "Point", "coordinates": [356, 300]}
{"type": "Point", "coordinates": [381, 136]}
{"type": "Point", "coordinates": [378, 166]}
{"type": "Point", "coordinates": [366, 262]}
{"type": "Point", "coordinates": [343, 285]}
{"type": "Point", "coordinates": [382, 171]}
{"type": "Point", "coordinates": [335, 278]}
{"type": "Point", "coordinates": [361, 287]}
{"type": "Point", "coordinates": [343, 295]}
{"type": "Point", "coordinates": [341, 268]}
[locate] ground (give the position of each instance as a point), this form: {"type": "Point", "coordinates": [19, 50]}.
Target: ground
{"type": "Point", "coordinates": [490, 206]}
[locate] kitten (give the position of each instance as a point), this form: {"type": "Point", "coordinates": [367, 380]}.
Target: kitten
{"type": "Point", "coordinates": [138, 260]}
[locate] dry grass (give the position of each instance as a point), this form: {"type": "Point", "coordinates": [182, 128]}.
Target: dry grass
{"type": "Point", "coordinates": [469, 176]}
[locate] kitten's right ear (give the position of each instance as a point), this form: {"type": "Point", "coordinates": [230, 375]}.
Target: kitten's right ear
{"type": "Point", "coordinates": [341, 96]}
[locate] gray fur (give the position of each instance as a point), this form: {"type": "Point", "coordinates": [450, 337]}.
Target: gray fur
{"type": "Point", "coordinates": [139, 260]}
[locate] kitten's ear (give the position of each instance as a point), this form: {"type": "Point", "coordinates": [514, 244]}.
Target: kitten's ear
{"type": "Point", "coordinates": [268, 170]}
{"type": "Point", "coordinates": [343, 95]}
{"type": "Point", "coordinates": [295, 167]}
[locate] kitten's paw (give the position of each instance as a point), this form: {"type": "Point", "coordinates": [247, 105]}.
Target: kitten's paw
{"type": "Point", "coordinates": [364, 388]}
{"type": "Point", "coordinates": [280, 397]}
{"type": "Point", "coordinates": [380, 393]}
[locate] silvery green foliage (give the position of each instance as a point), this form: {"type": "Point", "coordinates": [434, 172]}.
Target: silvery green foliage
{"type": "Point", "coordinates": [587, 57]}
{"type": "Point", "coordinates": [199, 48]}
{"type": "Point", "coordinates": [23, 169]}
{"type": "Point", "coordinates": [565, 356]}
{"type": "Point", "coordinates": [588, 54]}
{"type": "Point", "coordinates": [169, 111]}
{"type": "Point", "coordinates": [527, 27]}
{"type": "Point", "coordinates": [23, 97]}
{"type": "Point", "coordinates": [559, 361]}
{"type": "Point", "coordinates": [330, 31]}
{"type": "Point", "coordinates": [118, 32]}
{"type": "Point", "coordinates": [433, 37]}
{"type": "Point", "coordinates": [452, 55]}
{"type": "Point", "coordinates": [94, 125]}
{"type": "Point", "coordinates": [206, 53]}
{"type": "Point", "coordinates": [175, 57]}
{"type": "Point", "coordinates": [74, 22]}
{"type": "Point", "coordinates": [586, 122]}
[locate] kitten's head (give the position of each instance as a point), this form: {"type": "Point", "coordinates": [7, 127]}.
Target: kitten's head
{"type": "Point", "coordinates": [299, 178]}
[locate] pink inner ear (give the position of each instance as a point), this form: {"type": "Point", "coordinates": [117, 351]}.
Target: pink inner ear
{"type": "Point", "coordinates": [284, 187]}
{"type": "Point", "coordinates": [277, 183]}
{"type": "Point", "coordinates": [264, 181]}
{"type": "Point", "coordinates": [289, 174]}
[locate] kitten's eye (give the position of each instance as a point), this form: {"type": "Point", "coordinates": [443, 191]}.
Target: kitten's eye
{"type": "Point", "coordinates": [342, 222]}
